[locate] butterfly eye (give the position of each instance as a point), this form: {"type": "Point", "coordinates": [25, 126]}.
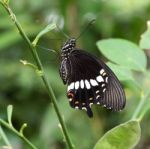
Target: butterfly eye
{"type": "Point", "coordinates": [73, 41]}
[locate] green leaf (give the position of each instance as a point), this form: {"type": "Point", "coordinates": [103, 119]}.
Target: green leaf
{"type": "Point", "coordinates": [9, 114]}
{"type": "Point", "coordinates": [124, 136]}
{"type": "Point", "coordinates": [121, 72]}
{"type": "Point", "coordinates": [124, 53]}
{"type": "Point", "coordinates": [44, 31]}
{"type": "Point", "coordinates": [145, 38]}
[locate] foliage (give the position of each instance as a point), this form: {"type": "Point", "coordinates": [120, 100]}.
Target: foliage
{"type": "Point", "coordinates": [118, 137]}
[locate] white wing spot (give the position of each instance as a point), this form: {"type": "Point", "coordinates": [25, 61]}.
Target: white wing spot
{"type": "Point", "coordinates": [76, 102]}
{"type": "Point", "coordinates": [104, 74]}
{"type": "Point", "coordinates": [104, 89]}
{"type": "Point", "coordinates": [82, 84]}
{"type": "Point", "coordinates": [91, 104]}
{"type": "Point", "coordinates": [102, 71]}
{"type": "Point", "coordinates": [70, 99]}
{"type": "Point", "coordinates": [76, 107]}
{"type": "Point", "coordinates": [90, 98]}
{"type": "Point", "coordinates": [76, 85]}
{"type": "Point", "coordinates": [103, 85]}
{"type": "Point", "coordinates": [84, 108]}
{"type": "Point", "coordinates": [97, 96]}
{"type": "Point", "coordinates": [97, 91]}
{"type": "Point", "coordinates": [99, 79]}
{"type": "Point", "coordinates": [87, 84]}
{"type": "Point", "coordinates": [71, 86]}
{"type": "Point", "coordinates": [93, 82]}
{"type": "Point", "coordinates": [106, 79]}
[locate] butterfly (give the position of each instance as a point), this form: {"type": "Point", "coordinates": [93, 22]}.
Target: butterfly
{"type": "Point", "coordinates": [89, 80]}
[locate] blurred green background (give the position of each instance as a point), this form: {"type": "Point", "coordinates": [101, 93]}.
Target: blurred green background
{"type": "Point", "coordinates": [22, 88]}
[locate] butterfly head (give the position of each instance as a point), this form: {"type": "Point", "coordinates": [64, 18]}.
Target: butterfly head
{"type": "Point", "coordinates": [68, 47]}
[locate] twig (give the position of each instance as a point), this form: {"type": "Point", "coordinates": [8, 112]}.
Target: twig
{"type": "Point", "coordinates": [136, 114]}
{"type": "Point", "coordinates": [3, 135]}
{"type": "Point", "coordinates": [2, 122]}
{"type": "Point", "coordinates": [40, 67]}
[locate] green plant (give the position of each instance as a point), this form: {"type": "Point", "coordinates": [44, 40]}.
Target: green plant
{"type": "Point", "coordinates": [39, 67]}
{"type": "Point", "coordinates": [127, 135]}
{"type": "Point", "coordinates": [125, 66]}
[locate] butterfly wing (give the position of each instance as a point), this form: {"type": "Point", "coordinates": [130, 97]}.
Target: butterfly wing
{"type": "Point", "coordinates": [90, 81]}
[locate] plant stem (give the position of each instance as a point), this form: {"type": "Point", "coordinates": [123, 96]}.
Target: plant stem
{"type": "Point", "coordinates": [3, 135]}
{"type": "Point", "coordinates": [2, 122]}
{"type": "Point", "coordinates": [40, 67]}
{"type": "Point", "coordinates": [136, 114]}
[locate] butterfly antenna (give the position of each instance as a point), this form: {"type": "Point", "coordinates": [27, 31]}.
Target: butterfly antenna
{"type": "Point", "coordinates": [51, 50]}
{"type": "Point", "coordinates": [62, 32]}
{"type": "Point", "coordinates": [88, 25]}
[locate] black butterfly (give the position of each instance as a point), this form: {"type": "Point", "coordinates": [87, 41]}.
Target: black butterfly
{"type": "Point", "coordinates": [89, 80]}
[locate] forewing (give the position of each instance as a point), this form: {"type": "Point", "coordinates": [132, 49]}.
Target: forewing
{"type": "Point", "coordinates": [91, 82]}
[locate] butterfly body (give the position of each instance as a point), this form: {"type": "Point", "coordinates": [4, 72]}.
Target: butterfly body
{"type": "Point", "coordinates": [90, 81]}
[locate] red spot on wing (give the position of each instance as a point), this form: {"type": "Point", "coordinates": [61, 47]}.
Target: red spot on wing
{"type": "Point", "coordinates": [70, 94]}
